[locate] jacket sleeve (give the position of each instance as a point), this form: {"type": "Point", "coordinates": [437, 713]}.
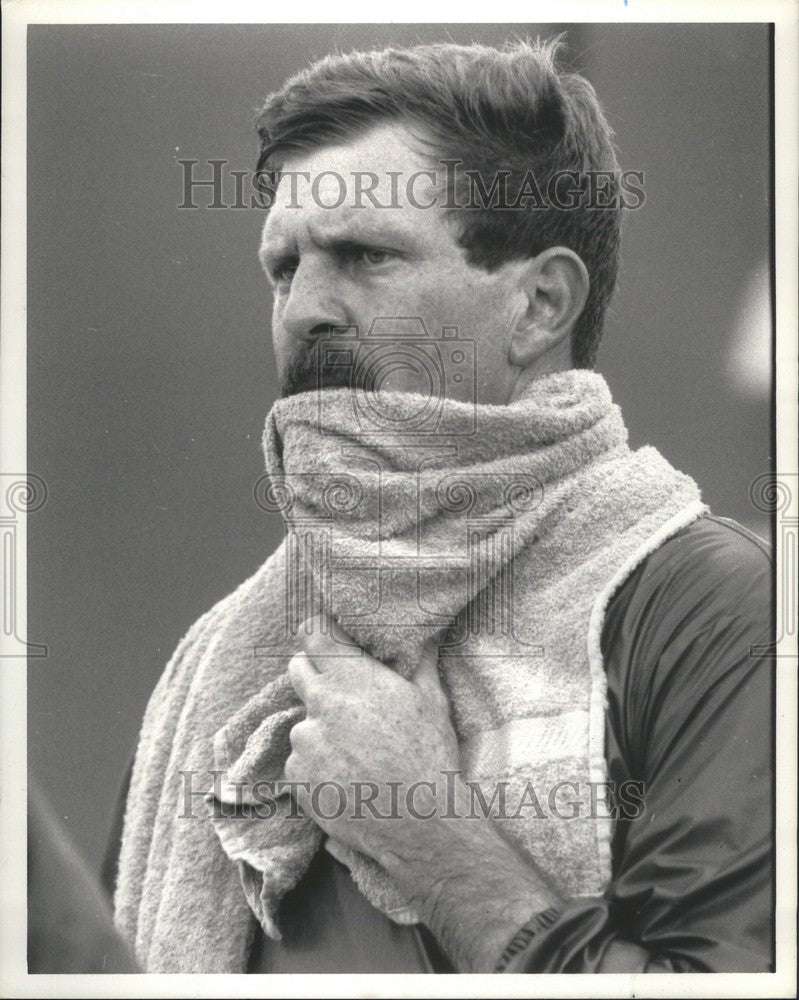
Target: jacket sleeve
{"type": "Point", "coordinates": [691, 719]}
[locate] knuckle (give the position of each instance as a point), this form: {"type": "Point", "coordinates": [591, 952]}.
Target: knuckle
{"type": "Point", "coordinates": [314, 645]}
{"type": "Point", "coordinates": [311, 638]}
{"type": "Point", "coordinates": [306, 736]}
{"type": "Point", "coordinates": [294, 769]}
{"type": "Point", "coordinates": [298, 735]}
{"type": "Point", "coordinates": [295, 667]}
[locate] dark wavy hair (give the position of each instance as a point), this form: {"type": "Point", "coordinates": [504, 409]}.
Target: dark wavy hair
{"type": "Point", "coordinates": [512, 110]}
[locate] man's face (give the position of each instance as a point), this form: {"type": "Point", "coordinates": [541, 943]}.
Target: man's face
{"type": "Point", "coordinates": [349, 266]}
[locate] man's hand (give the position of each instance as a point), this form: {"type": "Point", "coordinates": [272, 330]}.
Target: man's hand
{"type": "Point", "coordinates": [387, 748]}
{"type": "Point", "coordinates": [384, 744]}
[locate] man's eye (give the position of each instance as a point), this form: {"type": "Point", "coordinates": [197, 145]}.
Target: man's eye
{"type": "Point", "coordinates": [284, 272]}
{"type": "Point", "coordinates": [374, 256]}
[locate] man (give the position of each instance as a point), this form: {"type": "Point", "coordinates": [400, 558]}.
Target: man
{"type": "Point", "coordinates": [579, 623]}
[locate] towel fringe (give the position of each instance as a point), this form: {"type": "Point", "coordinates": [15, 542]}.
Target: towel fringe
{"type": "Point", "coordinates": [599, 681]}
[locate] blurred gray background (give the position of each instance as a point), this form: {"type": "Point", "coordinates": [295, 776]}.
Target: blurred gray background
{"type": "Point", "coordinates": [149, 364]}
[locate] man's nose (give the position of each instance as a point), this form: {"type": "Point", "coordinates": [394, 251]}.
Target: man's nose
{"type": "Point", "coordinates": [313, 301]}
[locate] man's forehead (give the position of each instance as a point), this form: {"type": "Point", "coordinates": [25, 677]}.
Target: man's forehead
{"type": "Point", "coordinates": [382, 165]}
{"type": "Point", "coordinates": [338, 205]}
{"type": "Point", "coordinates": [323, 225]}
{"type": "Point", "coordinates": [387, 147]}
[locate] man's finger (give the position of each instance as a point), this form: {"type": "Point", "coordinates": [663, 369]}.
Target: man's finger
{"type": "Point", "coordinates": [426, 674]}
{"type": "Point", "coordinates": [302, 675]}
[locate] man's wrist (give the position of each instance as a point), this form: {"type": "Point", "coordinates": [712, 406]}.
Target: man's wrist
{"type": "Point", "coordinates": [468, 884]}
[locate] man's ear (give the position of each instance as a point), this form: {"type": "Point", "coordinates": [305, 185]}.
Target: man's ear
{"type": "Point", "coordinates": [554, 287]}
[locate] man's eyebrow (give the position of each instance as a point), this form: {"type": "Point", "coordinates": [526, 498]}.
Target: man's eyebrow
{"type": "Point", "coordinates": [357, 231]}
{"type": "Point", "coordinates": [341, 245]}
{"type": "Point", "coordinates": [349, 237]}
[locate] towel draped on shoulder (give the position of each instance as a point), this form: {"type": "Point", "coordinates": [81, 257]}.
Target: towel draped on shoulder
{"type": "Point", "coordinates": [501, 533]}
